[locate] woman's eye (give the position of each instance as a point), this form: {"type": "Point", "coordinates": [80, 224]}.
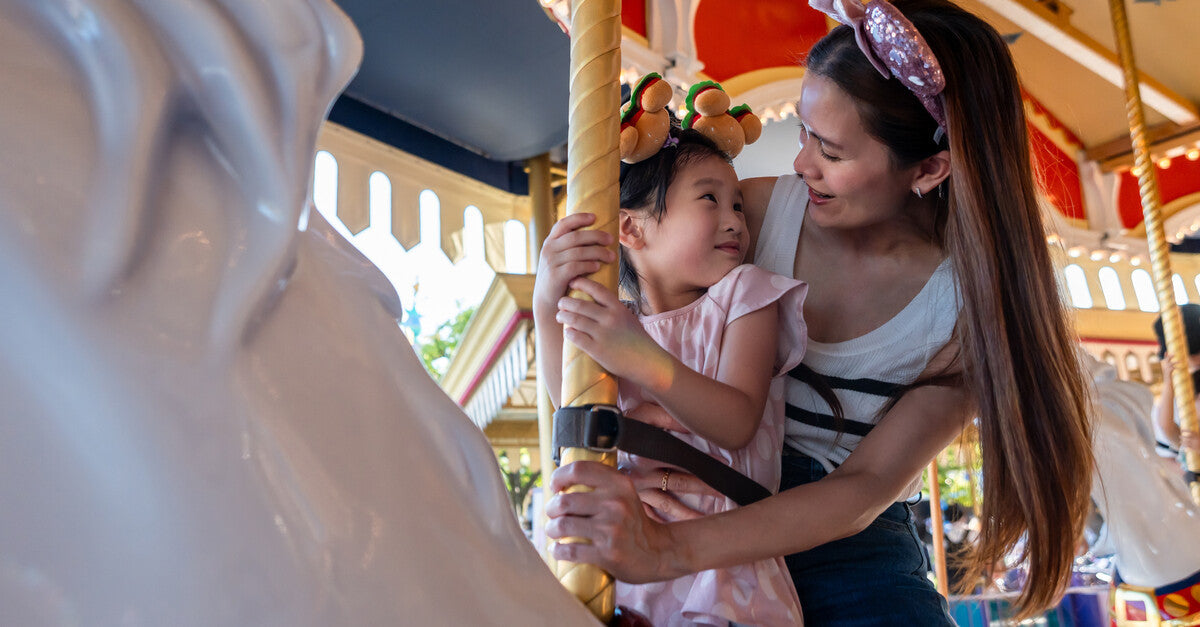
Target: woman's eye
{"type": "Point", "coordinates": [829, 157]}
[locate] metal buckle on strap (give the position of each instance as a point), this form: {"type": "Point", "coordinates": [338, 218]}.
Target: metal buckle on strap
{"type": "Point", "coordinates": [593, 427]}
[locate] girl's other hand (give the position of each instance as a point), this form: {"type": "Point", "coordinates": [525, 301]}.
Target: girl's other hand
{"type": "Point", "coordinates": [605, 329]}
{"type": "Point", "coordinates": [570, 251]}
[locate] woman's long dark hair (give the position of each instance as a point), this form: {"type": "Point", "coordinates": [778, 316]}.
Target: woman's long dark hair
{"type": "Point", "coordinates": [1016, 344]}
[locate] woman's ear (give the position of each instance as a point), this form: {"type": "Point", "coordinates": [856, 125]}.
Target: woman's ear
{"type": "Point", "coordinates": [932, 171]}
{"type": "Point", "coordinates": [629, 229]}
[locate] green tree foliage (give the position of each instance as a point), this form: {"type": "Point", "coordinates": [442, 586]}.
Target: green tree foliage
{"type": "Point", "coordinates": [519, 482]}
{"type": "Point", "coordinates": [437, 348]}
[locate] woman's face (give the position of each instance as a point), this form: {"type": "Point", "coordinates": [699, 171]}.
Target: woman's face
{"type": "Point", "coordinates": [852, 181]}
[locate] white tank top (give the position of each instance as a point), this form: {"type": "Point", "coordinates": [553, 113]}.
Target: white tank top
{"type": "Point", "coordinates": [863, 371]}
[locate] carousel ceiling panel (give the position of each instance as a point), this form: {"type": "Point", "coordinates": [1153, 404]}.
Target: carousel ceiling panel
{"type": "Point", "coordinates": [1071, 68]}
{"type": "Point", "coordinates": [488, 75]}
{"type": "Point", "coordinates": [1092, 107]}
{"type": "Point", "coordinates": [1165, 34]}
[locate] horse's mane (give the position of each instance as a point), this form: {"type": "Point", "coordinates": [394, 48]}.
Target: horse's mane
{"type": "Point", "coordinates": [141, 81]}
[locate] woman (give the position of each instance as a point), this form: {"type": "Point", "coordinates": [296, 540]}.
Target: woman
{"type": "Point", "coordinates": [932, 300]}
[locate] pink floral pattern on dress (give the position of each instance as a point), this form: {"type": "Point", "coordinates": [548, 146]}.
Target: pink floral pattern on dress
{"type": "Point", "coordinates": [760, 593]}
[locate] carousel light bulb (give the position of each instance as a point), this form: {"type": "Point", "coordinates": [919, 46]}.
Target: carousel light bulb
{"type": "Point", "coordinates": [1075, 251]}
{"type": "Point", "coordinates": [1052, 239]}
{"type": "Point", "coordinates": [1193, 154]}
{"type": "Point", "coordinates": [1135, 261]}
{"type": "Point", "coordinates": [1164, 163]}
{"type": "Point", "coordinates": [1115, 257]}
{"type": "Point", "coordinates": [1097, 255]}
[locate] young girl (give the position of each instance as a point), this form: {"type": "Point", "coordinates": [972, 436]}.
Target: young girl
{"type": "Point", "coordinates": [705, 338]}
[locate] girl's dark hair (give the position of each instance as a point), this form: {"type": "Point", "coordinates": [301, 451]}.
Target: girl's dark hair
{"type": "Point", "coordinates": [1016, 347]}
{"type": "Point", "coordinates": [644, 189]}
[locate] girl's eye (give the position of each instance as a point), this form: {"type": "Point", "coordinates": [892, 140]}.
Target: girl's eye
{"type": "Point", "coordinates": [737, 206]}
{"type": "Point", "coordinates": [709, 197]}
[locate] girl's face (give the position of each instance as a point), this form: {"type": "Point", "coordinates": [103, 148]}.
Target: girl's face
{"type": "Point", "coordinates": [702, 234]}
{"type": "Point", "coordinates": [851, 179]}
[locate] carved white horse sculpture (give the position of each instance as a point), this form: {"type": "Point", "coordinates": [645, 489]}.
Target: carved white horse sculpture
{"type": "Point", "coordinates": [1152, 523]}
{"type": "Point", "coordinates": [208, 415]}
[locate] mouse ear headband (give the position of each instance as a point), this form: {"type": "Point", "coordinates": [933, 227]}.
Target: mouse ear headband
{"type": "Point", "coordinates": [894, 46]}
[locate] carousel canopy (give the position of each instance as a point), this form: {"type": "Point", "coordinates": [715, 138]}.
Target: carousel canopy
{"type": "Point", "coordinates": [479, 86]}
{"type": "Point", "coordinates": [466, 84]}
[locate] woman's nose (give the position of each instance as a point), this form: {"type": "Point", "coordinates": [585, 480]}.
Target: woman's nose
{"type": "Point", "coordinates": [803, 164]}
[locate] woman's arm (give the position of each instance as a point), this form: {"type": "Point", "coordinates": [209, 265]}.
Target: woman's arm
{"type": "Point", "coordinates": [636, 549]}
{"type": "Point", "coordinates": [570, 251]}
{"type": "Point", "coordinates": [725, 411]}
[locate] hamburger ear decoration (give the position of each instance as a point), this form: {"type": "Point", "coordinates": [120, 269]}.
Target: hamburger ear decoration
{"type": "Point", "coordinates": [709, 112]}
{"type": "Point", "coordinates": [645, 122]}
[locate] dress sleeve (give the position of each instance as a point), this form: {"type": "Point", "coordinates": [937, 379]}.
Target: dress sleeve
{"type": "Point", "coordinates": [748, 288]}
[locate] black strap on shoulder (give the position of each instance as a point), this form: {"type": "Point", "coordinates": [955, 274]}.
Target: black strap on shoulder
{"type": "Point", "coordinates": [603, 427]}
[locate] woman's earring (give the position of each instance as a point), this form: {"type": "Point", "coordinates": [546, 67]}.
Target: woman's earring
{"type": "Point", "coordinates": [917, 191]}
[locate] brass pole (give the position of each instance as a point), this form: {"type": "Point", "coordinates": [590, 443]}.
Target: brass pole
{"type": "Point", "coordinates": [541, 199]}
{"type": "Point", "coordinates": [938, 532]}
{"type": "Point", "coordinates": [1185, 406]}
{"type": "Point", "coordinates": [593, 169]}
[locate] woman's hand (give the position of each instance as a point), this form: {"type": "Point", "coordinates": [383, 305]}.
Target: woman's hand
{"type": "Point", "coordinates": [661, 503]}
{"type": "Point", "coordinates": [605, 329]}
{"type": "Point", "coordinates": [622, 539]}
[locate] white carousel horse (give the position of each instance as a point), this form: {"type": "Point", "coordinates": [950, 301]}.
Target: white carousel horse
{"type": "Point", "coordinates": [1152, 523]}
{"type": "Point", "coordinates": [208, 414]}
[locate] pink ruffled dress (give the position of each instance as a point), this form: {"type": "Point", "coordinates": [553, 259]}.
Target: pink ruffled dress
{"type": "Point", "coordinates": [759, 593]}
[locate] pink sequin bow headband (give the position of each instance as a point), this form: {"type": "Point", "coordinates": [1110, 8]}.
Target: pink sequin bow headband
{"type": "Point", "coordinates": [895, 47]}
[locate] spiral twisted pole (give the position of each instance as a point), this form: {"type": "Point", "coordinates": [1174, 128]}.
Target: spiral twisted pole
{"type": "Point", "coordinates": [593, 171]}
{"type": "Point", "coordinates": [1185, 407]}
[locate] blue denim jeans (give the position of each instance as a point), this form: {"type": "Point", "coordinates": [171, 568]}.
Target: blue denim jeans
{"type": "Point", "coordinates": [876, 577]}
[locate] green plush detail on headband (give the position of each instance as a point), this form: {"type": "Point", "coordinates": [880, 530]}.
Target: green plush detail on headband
{"type": "Point", "coordinates": [690, 101]}
{"type": "Point", "coordinates": [689, 119]}
{"type": "Point", "coordinates": [740, 110]}
{"type": "Point", "coordinates": [635, 96]}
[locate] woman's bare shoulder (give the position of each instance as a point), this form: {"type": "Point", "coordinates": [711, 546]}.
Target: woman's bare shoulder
{"type": "Point", "coordinates": [756, 195]}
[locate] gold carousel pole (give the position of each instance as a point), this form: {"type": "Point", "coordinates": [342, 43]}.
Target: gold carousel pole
{"type": "Point", "coordinates": [938, 532]}
{"type": "Point", "coordinates": [1185, 407]}
{"type": "Point", "coordinates": [593, 169]}
{"type": "Point", "coordinates": [542, 208]}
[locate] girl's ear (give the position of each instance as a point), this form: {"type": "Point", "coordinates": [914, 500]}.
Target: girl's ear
{"type": "Point", "coordinates": [932, 171]}
{"type": "Point", "coordinates": [629, 228]}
